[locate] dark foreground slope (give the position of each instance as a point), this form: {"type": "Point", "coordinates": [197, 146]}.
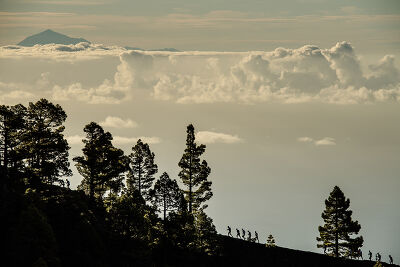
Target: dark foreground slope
{"type": "Point", "coordinates": [58, 227]}
{"type": "Point", "coordinates": [236, 252]}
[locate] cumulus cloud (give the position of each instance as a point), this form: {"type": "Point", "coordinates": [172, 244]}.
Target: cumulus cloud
{"type": "Point", "coordinates": [326, 141]}
{"type": "Point", "coordinates": [208, 137]}
{"type": "Point", "coordinates": [108, 92]}
{"type": "Point", "coordinates": [75, 139]}
{"type": "Point", "coordinates": [306, 74]}
{"type": "Point", "coordinates": [117, 122]}
{"type": "Point", "coordinates": [9, 93]}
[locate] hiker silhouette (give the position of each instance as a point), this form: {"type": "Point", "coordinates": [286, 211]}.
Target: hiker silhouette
{"type": "Point", "coordinates": [390, 259]}
{"type": "Point", "coordinates": [360, 254]}
{"type": "Point", "coordinates": [370, 254]}
{"type": "Point", "coordinates": [256, 237]}
{"type": "Point", "coordinates": [229, 231]}
{"type": "Point", "coordinates": [249, 235]}
{"type": "Point", "coordinates": [238, 233]}
{"type": "Point", "coordinates": [378, 257]}
{"type": "Point", "coordinates": [243, 234]}
{"type": "Point", "coordinates": [324, 248]}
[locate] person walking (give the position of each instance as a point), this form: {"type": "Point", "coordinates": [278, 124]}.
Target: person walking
{"type": "Point", "coordinates": [238, 233]}
{"type": "Point", "coordinates": [229, 231]}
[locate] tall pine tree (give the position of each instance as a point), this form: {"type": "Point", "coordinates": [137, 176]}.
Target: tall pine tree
{"type": "Point", "coordinates": [335, 234]}
{"type": "Point", "coordinates": [166, 194]}
{"type": "Point", "coordinates": [101, 165]}
{"type": "Point", "coordinates": [194, 173]}
{"type": "Point", "coordinates": [141, 169]}
{"type": "Point", "coordinates": [43, 144]}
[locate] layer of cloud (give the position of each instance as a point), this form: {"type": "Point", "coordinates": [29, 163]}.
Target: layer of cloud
{"type": "Point", "coordinates": [61, 52]}
{"type": "Point", "coordinates": [208, 137]}
{"type": "Point", "coordinates": [117, 122]}
{"type": "Point", "coordinates": [326, 141]}
{"type": "Point", "coordinates": [306, 74]}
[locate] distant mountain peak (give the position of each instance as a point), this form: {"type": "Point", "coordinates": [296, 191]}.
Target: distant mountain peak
{"type": "Point", "coordinates": [50, 37]}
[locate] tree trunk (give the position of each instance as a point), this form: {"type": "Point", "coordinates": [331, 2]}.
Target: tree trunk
{"type": "Point", "coordinates": [336, 233]}
{"type": "Point", "coordinates": [190, 186]}
{"type": "Point", "coordinates": [140, 180]}
{"type": "Point", "coordinates": [165, 208]}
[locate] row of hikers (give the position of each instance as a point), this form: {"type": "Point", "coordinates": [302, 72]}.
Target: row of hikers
{"type": "Point", "coordinates": [378, 257]}
{"type": "Point", "coordinates": [353, 254]}
{"type": "Point", "coordinates": [358, 254]}
{"type": "Point", "coordinates": [243, 235]}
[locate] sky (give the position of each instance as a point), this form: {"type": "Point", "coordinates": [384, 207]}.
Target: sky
{"type": "Point", "coordinates": [290, 97]}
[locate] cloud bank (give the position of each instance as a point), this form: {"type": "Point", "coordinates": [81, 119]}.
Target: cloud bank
{"type": "Point", "coordinates": [307, 74]}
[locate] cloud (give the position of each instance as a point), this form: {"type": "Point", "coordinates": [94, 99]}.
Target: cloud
{"type": "Point", "coordinates": [120, 140]}
{"type": "Point", "coordinates": [117, 122]}
{"type": "Point", "coordinates": [326, 141]}
{"type": "Point", "coordinates": [108, 92]}
{"type": "Point", "coordinates": [61, 52]}
{"type": "Point", "coordinates": [75, 139]}
{"type": "Point", "coordinates": [303, 75]}
{"type": "Point", "coordinates": [9, 93]}
{"type": "Point", "coordinates": [208, 137]}
{"type": "Point", "coordinates": [306, 74]}
{"type": "Point", "coordinates": [305, 139]}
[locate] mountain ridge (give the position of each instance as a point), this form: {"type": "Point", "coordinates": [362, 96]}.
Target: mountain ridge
{"type": "Point", "coordinates": [50, 37]}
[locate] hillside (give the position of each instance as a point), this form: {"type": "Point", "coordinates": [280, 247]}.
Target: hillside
{"type": "Point", "coordinates": [58, 226]}
{"type": "Point", "coordinates": [236, 252]}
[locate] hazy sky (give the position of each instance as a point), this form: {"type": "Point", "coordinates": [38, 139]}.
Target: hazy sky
{"type": "Point", "coordinates": [290, 97]}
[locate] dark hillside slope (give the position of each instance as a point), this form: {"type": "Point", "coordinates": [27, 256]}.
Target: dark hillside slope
{"type": "Point", "coordinates": [236, 252]}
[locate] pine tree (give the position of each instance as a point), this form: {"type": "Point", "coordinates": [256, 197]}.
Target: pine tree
{"type": "Point", "coordinates": [336, 233]}
{"type": "Point", "coordinates": [194, 174]}
{"type": "Point", "coordinates": [206, 233]}
{"type": "Point", "coordinates": [142, 169]}
{"type": "Point", "coordinates": [101, 165]}
{"type": "Point", "coordinates": [11, 123]}
{"type": "Point", "coordinates": [131, 217]}
{"type": "Point", "coordinates": [165, 195]}
{"type": "Point", "coordinates": [43, 144]}
{"type": "Point", "coordinates": [271, 242]}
